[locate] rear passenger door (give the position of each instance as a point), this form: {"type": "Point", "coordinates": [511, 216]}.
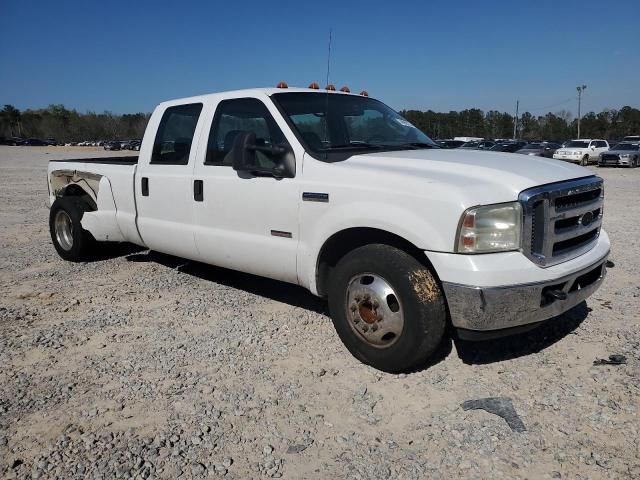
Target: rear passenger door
{"type": "Point", "coordinates": [246, 222]}
{"type": "Point", "coordinates": [163, 181]}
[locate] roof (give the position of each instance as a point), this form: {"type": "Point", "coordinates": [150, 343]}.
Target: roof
{"type": "Point", "coordinates": [249, 92]}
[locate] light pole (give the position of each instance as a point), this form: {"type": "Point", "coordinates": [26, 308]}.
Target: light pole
{"type": "Point", "coordinates": [580, 89]}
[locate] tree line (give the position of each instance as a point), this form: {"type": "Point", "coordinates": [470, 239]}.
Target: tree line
{"type": "Point", "coordinates": [608, 124]}
{"type": "Point", "coordinates": [65, 125]}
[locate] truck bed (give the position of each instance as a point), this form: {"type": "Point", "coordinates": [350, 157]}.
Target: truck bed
{"type": "Point", "coordinates": [125, 160]}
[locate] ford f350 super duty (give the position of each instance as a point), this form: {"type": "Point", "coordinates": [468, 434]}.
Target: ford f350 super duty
{"type": "Point", "coordinates": [340, 194]}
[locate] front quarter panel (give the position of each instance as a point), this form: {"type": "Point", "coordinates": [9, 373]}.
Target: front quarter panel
{"type": "Point", "coordinates": [361, 202]}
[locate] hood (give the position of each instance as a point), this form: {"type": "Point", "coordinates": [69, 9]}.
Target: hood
{"type": "Point", "coordinates": [480, 177]}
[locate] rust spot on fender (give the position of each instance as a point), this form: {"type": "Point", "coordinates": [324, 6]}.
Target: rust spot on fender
{"type": "Point", "coordinates": [425, 286]}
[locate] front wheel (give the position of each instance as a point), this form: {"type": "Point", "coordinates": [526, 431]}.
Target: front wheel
{"type": "Point", "coordinates": [585, 161]}
{"type": "Point", "coordinates": [387, 308]}
{"type": "Point", "coordinates": [70, 240]}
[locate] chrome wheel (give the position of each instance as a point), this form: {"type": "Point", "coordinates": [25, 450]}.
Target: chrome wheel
{"type": "Point", "coordinates": [373, 310]}
{"type": "Point", "coordinates": [64, 230]}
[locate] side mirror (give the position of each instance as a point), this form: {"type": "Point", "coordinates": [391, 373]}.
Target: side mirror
{"type": "Point", "coordinates": [243, 157]}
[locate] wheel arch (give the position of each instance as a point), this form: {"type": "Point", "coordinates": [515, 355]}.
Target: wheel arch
{"type": "Point", "coordinates": [344, 241]}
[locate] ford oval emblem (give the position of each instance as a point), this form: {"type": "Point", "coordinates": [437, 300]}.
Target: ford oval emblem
{"type": "Point", "coordinates": [586, 219]}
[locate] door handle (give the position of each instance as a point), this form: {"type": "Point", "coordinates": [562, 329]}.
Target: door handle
{"type": "Point", "coordinates": [198, 190]}
{"type": "Point", "coordinates": [145, 187]}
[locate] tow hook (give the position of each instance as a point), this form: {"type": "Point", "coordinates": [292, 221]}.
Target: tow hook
{"type": "Point", "coordinates": [610, 264]}
{"type": "Point", "coordinates": [556, 294]}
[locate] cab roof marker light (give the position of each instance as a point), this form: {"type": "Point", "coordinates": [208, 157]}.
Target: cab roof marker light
{"type": "Point", "coordinates": [282, 85]}
{"type": "Point", "coordinates": [364, 93]}
{"type": "Point", "coordinates": [345, 89]}
{"type": "Point", "coordinates": [314, 85]}
{"type": "Point", "coordinates": [330, 88]}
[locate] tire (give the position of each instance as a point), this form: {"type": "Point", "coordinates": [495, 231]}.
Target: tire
{"type": "Point", "coordinates": [585, 161]}
{"type": "Point", "coordinates": [69, 239]}
{"type": "Point", "coordinates": [387, 308]}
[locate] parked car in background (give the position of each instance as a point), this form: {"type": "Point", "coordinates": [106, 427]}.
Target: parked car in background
{"type": "Point", "coordinates": [33, 142]}
{"type": "Point", "coordinates": [625, 154]}
{"type": "Point", "coordinates": [450, 143]}
{"type": "Point", "coordinates": [631, 138]}
{"type": "Point", "coordinates": [51, 141]}
{"type": "Point", "coordinates": [134, 145]}
{"type": "Point", "coordinates": [509, 147]}
{"type": "Point", "coordinates": [582, 151]}
{"type": "Point", "coordinates": [539, 149]}
{"type": "Point", "coordinates": [478, 145]}
{"type": "Point", "coordinates": [113, 145]}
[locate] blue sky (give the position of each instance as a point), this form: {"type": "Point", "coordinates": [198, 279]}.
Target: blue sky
{"type": "Point", "coordinates": [443, 55]}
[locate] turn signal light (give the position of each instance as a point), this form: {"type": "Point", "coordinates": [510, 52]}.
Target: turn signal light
{"type": "Point", "coordinates": [282, 85]}
{"type": "Point", "coordinates": [345, 89]}
{"type": "Point", "coordinates": [330, 87]}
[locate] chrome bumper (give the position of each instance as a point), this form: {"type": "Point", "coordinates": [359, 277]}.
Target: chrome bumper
{"type": "Point", "coordinates": [494, 308]}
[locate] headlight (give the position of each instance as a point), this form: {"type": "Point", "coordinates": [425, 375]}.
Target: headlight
{"type": "Point", "coordinates": [491, 228]}
{"type": "Point", "coordinates": [576, 153]}
{"type": "Point", "coordinates": [624, 155]}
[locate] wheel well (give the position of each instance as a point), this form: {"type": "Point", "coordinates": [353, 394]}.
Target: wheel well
{"type": "Point", "coordinates": [73, 190]}
{"type": "Point", "coordinates": [343, 242]}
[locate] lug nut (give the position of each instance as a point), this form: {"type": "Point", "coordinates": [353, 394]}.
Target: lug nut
{"type": "Point", "coordinates": [375, 304]}
{"type": "Point", "coordinates": [365, 328]}
{"type": "Point", "coordinates": [374, 327]}
{"type": "Point", "coordinates": [353, 307]}
{"type": "Point", "coordinates": [367, 297]}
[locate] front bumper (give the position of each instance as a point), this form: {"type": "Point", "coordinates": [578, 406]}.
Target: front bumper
{"type": "Point", "coordinates": [494, 308]}
{"type": "Point", "coordinates": [568, 158]}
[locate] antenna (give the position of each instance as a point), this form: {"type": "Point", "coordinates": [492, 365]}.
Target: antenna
{"type": "Point", "coordinates": [329, 54]}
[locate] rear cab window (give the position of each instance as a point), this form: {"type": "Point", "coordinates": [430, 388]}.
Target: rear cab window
{"type": "Point", "coordinates": [174, 137]}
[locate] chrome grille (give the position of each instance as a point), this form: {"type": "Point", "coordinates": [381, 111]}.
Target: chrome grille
{"type": "Point", "coordinates": [561, 220]}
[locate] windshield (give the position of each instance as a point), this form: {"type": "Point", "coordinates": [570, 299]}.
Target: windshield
{"type": "Point", "coordinates": [577, 144]}
{"type": "Point", "coordinates": [335, 123]}
{"type": "Point", "coordinates": [627, 146]}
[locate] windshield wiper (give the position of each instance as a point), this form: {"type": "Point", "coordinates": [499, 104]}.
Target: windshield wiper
{"type": "Point", "coordinates": [418, 145]}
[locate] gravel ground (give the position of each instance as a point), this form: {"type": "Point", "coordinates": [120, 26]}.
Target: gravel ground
{"type": "Point", "coordinates": [140, 365]}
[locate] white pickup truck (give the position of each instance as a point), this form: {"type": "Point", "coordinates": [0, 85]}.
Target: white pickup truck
{"type": "Point", "coordinates": [338, 193]}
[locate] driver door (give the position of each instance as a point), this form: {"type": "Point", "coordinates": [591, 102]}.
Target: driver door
{"type": "Point", "coordinates": [243, 221]}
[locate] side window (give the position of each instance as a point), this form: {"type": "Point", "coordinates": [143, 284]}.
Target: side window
{"type": "Point", "coordinates": [242, 115]}
{"type": "Point", "coordinates": [602, 144]}
{"type": "Point", "coordinates": [175, 134]}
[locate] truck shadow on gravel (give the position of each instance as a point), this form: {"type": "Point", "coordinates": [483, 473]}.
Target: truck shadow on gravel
{"type": "Point", "coordinates": [527, 343]}
{"type": "Point", "coordinates": [109, 250]}
{"type": "Point", "coordinates": [264, 287]}
{"type": "Point", "coordinates": [485, 352]}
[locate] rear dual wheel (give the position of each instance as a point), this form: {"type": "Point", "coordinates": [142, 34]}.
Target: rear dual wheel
{"type": "Point", "coordinates": [387, 308]}
{"type": "Point", "coordinates": [70, 240]}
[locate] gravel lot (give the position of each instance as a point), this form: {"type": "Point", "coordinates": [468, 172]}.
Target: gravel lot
{"type": "Point", "coordinates": [140, 365]}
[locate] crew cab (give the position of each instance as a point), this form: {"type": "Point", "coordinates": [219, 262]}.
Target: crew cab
{"type": "Point", "coordinates": [583, 151]}
{"type": "Point", "coordinates": [338, 193]}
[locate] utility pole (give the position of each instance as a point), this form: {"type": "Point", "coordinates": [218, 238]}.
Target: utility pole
{"type": "Point", "coordinates": [515, 121]}
{"type": "Point", "coordinates": [580, 89]}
